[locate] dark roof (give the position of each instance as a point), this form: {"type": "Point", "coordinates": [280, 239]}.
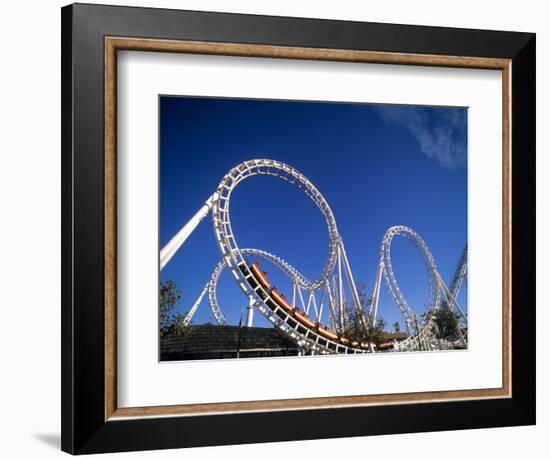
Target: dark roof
{"type": "Point", "coordinates": [395, 335]}
{"type": "Point", "coordinates": [208, 337]}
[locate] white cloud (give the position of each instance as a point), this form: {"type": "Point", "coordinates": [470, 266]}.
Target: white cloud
{"type": "Point", "coordinates": [441, 136]}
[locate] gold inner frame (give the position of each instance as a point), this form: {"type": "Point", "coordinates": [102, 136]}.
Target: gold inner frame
{"type": "Point", "coordinates": [114, 44]}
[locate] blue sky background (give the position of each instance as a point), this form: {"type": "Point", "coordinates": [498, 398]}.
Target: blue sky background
{"type": "Point", "coordinates": [376, 165]}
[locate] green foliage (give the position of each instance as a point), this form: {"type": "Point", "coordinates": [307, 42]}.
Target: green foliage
{"type": "Point", "coordinates": [174, 325]}
{"type": "Point", "coordinates": [446, 323]}
{"type": "Point", "coordinates": [171, 321]}
{"type": "Point", "coordinates": [375, 332]}
{"type": "Point", "coordinates": [396, 326]}
{"type": "Point", "coordinates": [357, 324]}
{"type": "Point", "coordinates": [359, 328]}
{"type": "Point", "coordinates": [169, 296]}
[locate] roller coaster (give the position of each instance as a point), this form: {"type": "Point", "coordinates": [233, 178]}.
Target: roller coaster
{"type": "Point", "coordinates": [315, 316]}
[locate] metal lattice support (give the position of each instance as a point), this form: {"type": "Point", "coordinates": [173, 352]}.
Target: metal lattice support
{"type": "Point", "coordinates": [438, 291]}
{"type": "Point", "coordinates": [386, 267]}
{"type": "Point", "coordinates": [294, 276]}
{"type": "Point", "coordinates": [222, 222]}
{"type": "Point", "coordinates": [336, 270]}
{"type": "Point", "coordinates": [236, 263]}
{"type": "Point", "coordinates": [461, 273]}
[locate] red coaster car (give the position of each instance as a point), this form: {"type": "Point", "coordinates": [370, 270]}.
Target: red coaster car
{"type": "Point", "coordinates": [303, 318]}
{"type": "Point", "coordinates": [260, 276]}
{"type": "Point", "coordinates": [280, 299]}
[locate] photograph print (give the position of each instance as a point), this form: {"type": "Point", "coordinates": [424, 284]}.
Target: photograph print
{"type": "Point", "coordinates": [305, 228]}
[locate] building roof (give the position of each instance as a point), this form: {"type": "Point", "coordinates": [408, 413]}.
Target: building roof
{"type": "Point", "coordinates": [208, 337]}
{"type": "Point", "coordinates": [395, 335]}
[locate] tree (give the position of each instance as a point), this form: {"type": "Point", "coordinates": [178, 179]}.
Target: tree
{"type": "Point", "coordinates": [171, 320]}
{"type": "Point", "coordinates": [359, 328]}
{"type": "Point", "coordinates": [446, 323]}
{"type": "Point", "coordinates": [396, 326]}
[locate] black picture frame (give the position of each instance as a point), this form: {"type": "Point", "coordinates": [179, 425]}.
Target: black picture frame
{"type": "Point", "coordinates": [84, 427]}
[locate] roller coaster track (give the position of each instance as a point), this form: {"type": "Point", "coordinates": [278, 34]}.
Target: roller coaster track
{"type": "Point", "coordinates": [212, 286]}
{"type": "Point", "coordinates": [333, 285]}
{"type": "Point", "coordinates": [461, 273]}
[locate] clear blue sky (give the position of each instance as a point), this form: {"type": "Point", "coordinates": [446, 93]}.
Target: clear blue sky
{"type": "Point", "coordinates": [376, 165]}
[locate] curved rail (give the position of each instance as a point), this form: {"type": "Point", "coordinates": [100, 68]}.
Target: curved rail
{"type": "Point", "coordinates": [281, 264]}
{"type": "Point", "coordinates": [299, 330]}
{"type": "Point", "coordinates": [393, 288]}
{"type": "Point", "coordinates": [222, 222]}
{"type": "Point", "coordinates": [254, 284]}
{"type": "Point", "coordinates": [422, 338]}
{"type": "Point", "coordinates": [460, 273]}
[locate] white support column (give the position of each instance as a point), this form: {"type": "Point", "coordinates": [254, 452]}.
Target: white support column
{"type": "Point", "coordinates": [302, 299]}
{"type": "Point", "coordinates": [314, 302]}
{"type": "Point", "coordinates": [177, 241]}
{"type": "Point", "coordinates": [340, 289]}
{"type": "Point", "coordinates": [321, 304]}
{"type": "Point", "coordinates": [376, 292]}
{"type": "Point", "coordinates": [449, 297]}
{"type": "Point", "coordinates": [332, 310]}
{"type": "Point", "coordinates": [349, 275]}
{"type": "Point", "coordinates": [250, 313]}
{"type": "Point", "coordinates": [308, 304]}
{"type": "Point", "coordinates": [187, 319]}
{"type": "Point", "coordinates": [335, 305]}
